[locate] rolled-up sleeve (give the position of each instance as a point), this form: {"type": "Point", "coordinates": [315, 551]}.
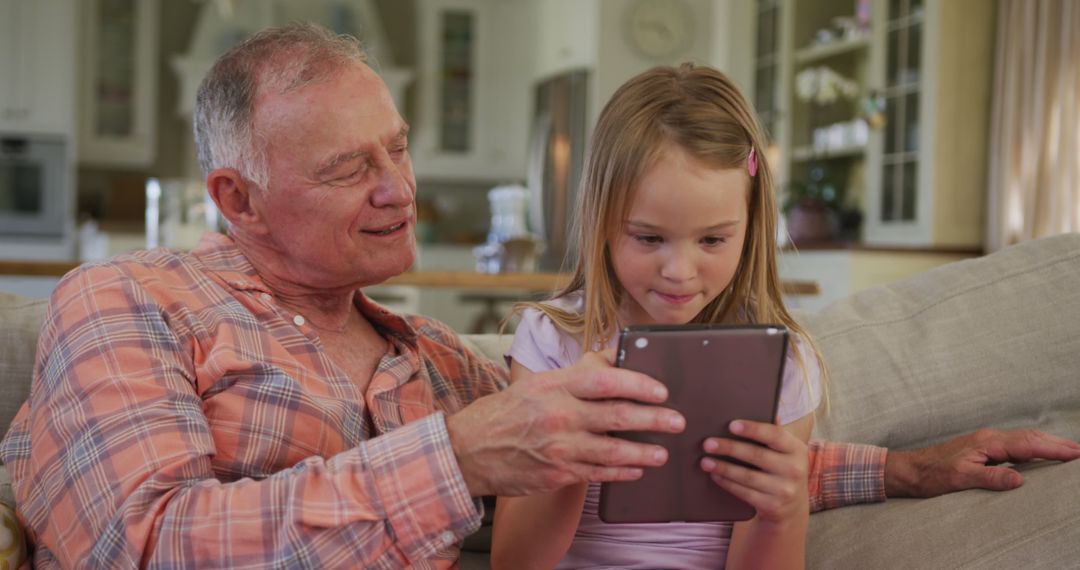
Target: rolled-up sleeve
{"type": "Point", "coordinates": [843, 474]}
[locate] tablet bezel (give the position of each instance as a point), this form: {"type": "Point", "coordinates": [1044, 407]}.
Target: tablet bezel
{"type": "Point", "coordinates": [692, 360]}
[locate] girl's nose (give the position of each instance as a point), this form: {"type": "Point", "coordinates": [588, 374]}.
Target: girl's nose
{"type": "Point", "coordinates": [678, 267]}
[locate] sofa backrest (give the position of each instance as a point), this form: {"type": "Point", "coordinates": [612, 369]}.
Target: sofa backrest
{"type": "Point", "coordinates": [20, 319]}
{"type": "Point", "coordinates": [993, 341]}
{"type": "Point", "coordinates": [986, 342]}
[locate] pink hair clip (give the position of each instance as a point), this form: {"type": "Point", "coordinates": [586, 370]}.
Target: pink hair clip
{"type": "Point", "coordinates": [751, 162]}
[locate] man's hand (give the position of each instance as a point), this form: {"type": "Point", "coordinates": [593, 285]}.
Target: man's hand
{"type": "Point", "coordinates": [549, 430]}
{"type": "Point", "coordinates": [970, 462]}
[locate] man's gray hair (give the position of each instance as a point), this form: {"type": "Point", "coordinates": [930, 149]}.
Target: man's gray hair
{"type": "Point", "coordinates": [280, 59]}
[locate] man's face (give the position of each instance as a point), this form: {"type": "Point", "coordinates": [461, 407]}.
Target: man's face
{"type": "Point", "coordinates": [340, 204]}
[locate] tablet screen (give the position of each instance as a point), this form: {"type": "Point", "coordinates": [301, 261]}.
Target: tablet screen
{"type": "Point", "coordinates": [714, 374]}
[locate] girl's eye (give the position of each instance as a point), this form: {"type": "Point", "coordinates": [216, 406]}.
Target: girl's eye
{"type": "Point", "coordinates": [714, 240]}
{"type": "Point", "coordinates": [648, 239]}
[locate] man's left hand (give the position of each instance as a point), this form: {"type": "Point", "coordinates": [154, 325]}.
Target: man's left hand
{"type": "Point", "coordinates": [972, 462]}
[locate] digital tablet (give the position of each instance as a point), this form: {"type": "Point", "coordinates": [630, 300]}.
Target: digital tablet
{"type": "Point", "coordinates": [714, 374]}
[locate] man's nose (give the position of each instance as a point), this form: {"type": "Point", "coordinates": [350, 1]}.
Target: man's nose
{"type": "Point", "coordinates": [394, 189]}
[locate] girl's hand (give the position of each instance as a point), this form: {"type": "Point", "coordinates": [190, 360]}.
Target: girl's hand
{"type": "Point", "coordinates": [778, 488]}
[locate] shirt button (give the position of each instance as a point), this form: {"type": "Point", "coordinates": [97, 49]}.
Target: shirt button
{"type": "Point", "coordinates": [266, 297]}
{"type": "Point", "coordinates": [299, 320]}
{"type": "Point", "coordinates": [448, 538]}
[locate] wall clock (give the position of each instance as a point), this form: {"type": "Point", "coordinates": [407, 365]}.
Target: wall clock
{"type": "Point", "coordinates": [659, 28]}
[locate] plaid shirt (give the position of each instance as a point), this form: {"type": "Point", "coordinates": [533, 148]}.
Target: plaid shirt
{"type": "Point", "coordinates": [180, 418]}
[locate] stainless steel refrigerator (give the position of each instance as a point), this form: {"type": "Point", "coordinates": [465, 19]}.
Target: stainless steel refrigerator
{"type": "Point", "coordinates": [556, 158]}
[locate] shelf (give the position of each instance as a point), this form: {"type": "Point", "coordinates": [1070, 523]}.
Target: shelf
{"type": "Point", "coordinates": [806, 153]}
{"type": "Point", "coordinates": [821, 52]}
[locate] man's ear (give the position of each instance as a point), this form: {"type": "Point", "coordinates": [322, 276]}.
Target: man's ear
{"type": "Point", "coordinates": [235, 198]}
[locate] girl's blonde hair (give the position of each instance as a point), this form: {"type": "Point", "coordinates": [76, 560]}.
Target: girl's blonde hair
{"type": "Point", "coordinates": [699, 109]}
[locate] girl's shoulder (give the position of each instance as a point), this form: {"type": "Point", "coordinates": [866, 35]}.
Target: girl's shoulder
{"type": "Point", "coordinates": [540, 342]}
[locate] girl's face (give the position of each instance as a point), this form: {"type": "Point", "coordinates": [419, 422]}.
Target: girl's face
{"type": "Point", "coordinates": [682, 242]}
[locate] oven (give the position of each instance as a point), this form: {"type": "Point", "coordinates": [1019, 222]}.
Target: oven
{"type": "Point", "coordinates": [33, 196]}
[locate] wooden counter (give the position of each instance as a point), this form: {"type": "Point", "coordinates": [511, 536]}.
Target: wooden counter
{"type": "Point", "coordinates": [448, 279]}
{"type": "Point", "coordinates": [531, 281]}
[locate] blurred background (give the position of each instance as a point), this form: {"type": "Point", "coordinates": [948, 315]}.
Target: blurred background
{"type": "Point", "coordinates": [879, 114]}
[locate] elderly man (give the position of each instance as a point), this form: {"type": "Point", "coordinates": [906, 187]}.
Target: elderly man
{"type": "Point", "coordinates": [245, 405]}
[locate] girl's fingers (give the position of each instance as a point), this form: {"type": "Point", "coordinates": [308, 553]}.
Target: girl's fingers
{"type": "Point", "coordinates": [759, 481]}
{"type": "Point", "coordinates": [759, 500]}
{"type": "Point", "coordinates": [771, 496]}
{"type": "Point", "coordinates": [763, 458]}
{"type": "Point", "coordinates": [771, 435]}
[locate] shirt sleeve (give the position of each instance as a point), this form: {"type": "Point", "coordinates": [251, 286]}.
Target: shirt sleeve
{"type": "Point", "coordinates": [843, 474]}
{"type": "Point", "coordinates": [539, 345]}
{"type": "Point", "coordinates": [111, 460]}
{"type": "Point", "coordinates": [800, 392]}
{"type": "Point", "coordinates": [471, 375]}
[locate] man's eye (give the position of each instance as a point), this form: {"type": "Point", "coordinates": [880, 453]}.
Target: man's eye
{"type": "Point", "coordinates": [648, 239]}
{"type": "Point", "coordinates": [397, 153]}
{"type": "Point", "coordinates": [353, 174]}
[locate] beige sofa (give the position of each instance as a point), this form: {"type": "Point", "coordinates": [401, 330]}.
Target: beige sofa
{"type": "Point", "coordinates": [993, 341]}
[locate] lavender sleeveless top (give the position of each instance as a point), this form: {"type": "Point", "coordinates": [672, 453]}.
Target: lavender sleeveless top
{"type": "Point", "coordinates": [539, 345]}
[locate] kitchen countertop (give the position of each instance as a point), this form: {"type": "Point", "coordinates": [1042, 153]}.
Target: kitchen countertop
{"type": "Point", "coordinates": [450, 279]}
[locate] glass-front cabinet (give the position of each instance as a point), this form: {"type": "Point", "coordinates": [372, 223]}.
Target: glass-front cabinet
{"type": "Point", "coordinates": [929, 170]}
{"type": "Point", "coordinates": [118, 78]}
{"type": "Point", "coordinates": [888, 101]}
{"type": "Point", "coordinates": [898, 212]}
{"type": "Point", "coordinates": [473, 90]}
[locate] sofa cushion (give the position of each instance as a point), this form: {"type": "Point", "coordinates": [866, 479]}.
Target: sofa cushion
{"type": "Point", "coordinates": [12, 543]}
{"type": "Point", "coordinates": [20, 320]}
{"type": "Point", "coordinates": [984, 342]}
{"type": "Point", "coordinates": [1035, 526]}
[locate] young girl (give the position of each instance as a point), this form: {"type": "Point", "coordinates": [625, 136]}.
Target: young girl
{"type": "Point", "coordinates": [677, 225]}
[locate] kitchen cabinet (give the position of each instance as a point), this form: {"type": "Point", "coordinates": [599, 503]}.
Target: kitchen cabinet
{"type": "Point", "coordinates": [923, 66]}
{"type": "Point", "coordinates": [935, 68]}
{"type": "Point", "coordinates": [37, 66]}
{"type": "Point", "coordinates": [474, 90]}
{"type": "Point", "coordinates": [118, 83]}
{"type": "Point", "coordinates": [840, 272]}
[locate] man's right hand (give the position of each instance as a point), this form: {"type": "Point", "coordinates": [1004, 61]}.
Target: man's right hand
{"type": "Point", "coordinates": [550, 429]}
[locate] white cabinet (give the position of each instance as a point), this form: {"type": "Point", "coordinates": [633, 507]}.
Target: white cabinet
{"type": "Point", "coordinates": [37, 66]}
{"type": "Point", "coordinates": [118, 83]}
{"type": "Point", "coordinates": [842, 272]}
{"type": "Point", "coordinates": [475, 95]}
{"type": "Point", "coordinates": [928, 173]}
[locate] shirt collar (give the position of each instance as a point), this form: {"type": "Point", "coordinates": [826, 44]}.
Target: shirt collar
{"type": "Point", "coordinates": [219, 254]}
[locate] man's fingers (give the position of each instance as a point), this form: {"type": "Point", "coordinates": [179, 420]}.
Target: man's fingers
{"type": "Point", "coordinates": [622, 415]}
{"type": "Point", "coordinates": [1025, 445]}
{"type": "Point", "coordinates": [597, 474]}
{"type": "Point", "coordinates": [606, 451]}
{"type": "Point", "coordinates": [590, 382]}
{"type": "Point", "coordinates": [997, 479]}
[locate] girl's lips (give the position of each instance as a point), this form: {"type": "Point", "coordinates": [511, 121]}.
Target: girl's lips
{"type": "Point", "coordinates": [675, 299]}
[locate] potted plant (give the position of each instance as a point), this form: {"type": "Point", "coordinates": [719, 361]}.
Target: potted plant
{"type": "Point", "coordinates": [814, 209]}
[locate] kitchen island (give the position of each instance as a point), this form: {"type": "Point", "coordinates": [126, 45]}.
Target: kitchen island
{"type": "Point", "coordinates": [468, 301]}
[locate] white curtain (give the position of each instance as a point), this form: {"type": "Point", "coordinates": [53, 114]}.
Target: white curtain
{"type": "Point", "coordinates": [1034, 162]}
